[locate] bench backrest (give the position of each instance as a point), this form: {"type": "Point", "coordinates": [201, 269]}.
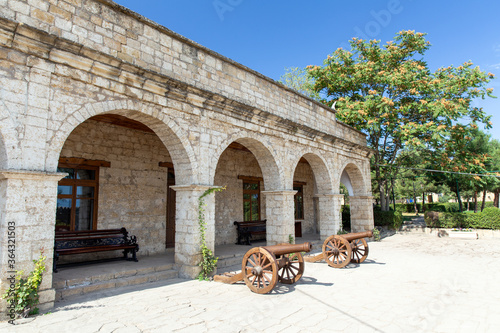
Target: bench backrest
{"type": "Point", "coordinates": [90, 238]}
{"type": "Point", "coordinates": [247, 224]}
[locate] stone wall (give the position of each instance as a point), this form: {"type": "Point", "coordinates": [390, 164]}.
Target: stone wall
{"type": "Point", "coordinates": [111, 29]}
{"type": "Point", "coordinates": [132, 192]}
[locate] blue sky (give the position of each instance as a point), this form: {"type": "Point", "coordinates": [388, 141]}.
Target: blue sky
{"type": "Point", "coordinates": [269, 36]}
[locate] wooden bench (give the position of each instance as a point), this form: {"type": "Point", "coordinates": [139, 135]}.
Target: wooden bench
{"type": "Point", "coordinates": [90, 241]}
{"type": "Point", "coordinates": [248, 229]}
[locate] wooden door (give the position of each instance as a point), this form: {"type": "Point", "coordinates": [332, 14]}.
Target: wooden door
{"type": "Point", "coordinates": [170, 241]}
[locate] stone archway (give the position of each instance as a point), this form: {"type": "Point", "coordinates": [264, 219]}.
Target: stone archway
{"type": "Point", "coordinates": [275, 203]}
{"type": "Point", "coordinates": [183, 156]}
{"type": "Point", "coordinates": [183, 159]}
{"type": "Point", "coordinates": [320, 190]}
{"type": "Point", "coordinates": [360, 201]}
{"type": "Point", "coordinates": [271, 172]}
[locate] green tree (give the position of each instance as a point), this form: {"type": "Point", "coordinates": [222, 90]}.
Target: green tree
{"type": "Point", "coordinates": [469, 186]}
{"type": "Point", "coordinates": [298, 79]}
{"type": "Point", "coordinates": [389, 93]}
{"type": "Point", "coordinates": [493, 164]}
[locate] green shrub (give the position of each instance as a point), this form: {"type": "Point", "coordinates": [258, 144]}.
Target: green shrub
{"type": "Point", "coordinates": [390, 219]}
{"type": "Point", "coordinates": [488, 219]}
{"type": "Point", "coordinates": [22, 296]}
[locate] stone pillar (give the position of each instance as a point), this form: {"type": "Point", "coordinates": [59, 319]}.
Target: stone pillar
{"type": "Point", "coordinates": [361, 213]}
{"type": "Point", "coordinates": [187, 233]}
{"type": "Point", "coordinates": [280, 215]}
{"type": "Point", "coordinates": [330, 219]}
{"type": "Point", "coordinates": [28, 202]}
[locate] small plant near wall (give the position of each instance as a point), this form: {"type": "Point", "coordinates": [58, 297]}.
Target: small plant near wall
{"type": "Point", "coordinates": [208, 261]}
{"type": "Point", "coordinates": [22, 295]}
{"type": "Point", "coordinates": [342, 232]}
{"type": "Point", "coordinates": [376, 235]}
{"type": "Point", "coordinates": [291, 239]}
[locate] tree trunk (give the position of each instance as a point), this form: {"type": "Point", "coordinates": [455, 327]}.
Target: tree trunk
{"type": "Point", "coordinates": [415, 200]}
{"type": "Point", "coordinates": [484, 199]}
{"type": "Point", "coordinates": [475, 201]}
{"type": "Point", "coordinates": [384, 196]}
{"type": "Point", "coordinates": [458, 199]}
{"type": "Point", "coordinates": [423, 202]}
{"type": "Point", "coordinates": [497, 197]}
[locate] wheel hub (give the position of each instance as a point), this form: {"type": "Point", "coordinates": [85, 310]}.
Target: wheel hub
{"type": "Point", "coordinates": [257, 270]}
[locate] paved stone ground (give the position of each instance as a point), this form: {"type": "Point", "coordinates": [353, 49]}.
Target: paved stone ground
{"type": "Point", "coordinates": [409, 283]}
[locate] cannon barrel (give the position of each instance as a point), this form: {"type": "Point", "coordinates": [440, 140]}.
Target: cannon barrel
{"type": "Point", "coordinates": [279, 250]}
{"type": "Point", "coordinates": [357, 235]}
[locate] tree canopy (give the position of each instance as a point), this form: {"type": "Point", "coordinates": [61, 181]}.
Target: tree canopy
{"type": "Point", "coordinates": [389, 93]}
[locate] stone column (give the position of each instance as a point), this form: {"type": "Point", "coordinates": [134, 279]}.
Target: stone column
{"type": "Point", "coordinates": [28, 202]}
{"type": "Point", "coordinates": [187, 232]}
{"type": "Point", "coordinates": [361, 213]}
{"type": "Point", "coordinates": [329, 214]}
{"type": "Point", "coordinates": [280, 215]}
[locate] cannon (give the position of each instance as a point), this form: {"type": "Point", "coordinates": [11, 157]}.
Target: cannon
{"type": "Point", "coordinates": [262, 267]}
{"type": "Point", "coordinates": [339, 250]}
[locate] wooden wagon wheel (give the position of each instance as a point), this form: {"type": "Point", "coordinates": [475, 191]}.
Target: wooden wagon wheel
{"type": "Point", "coordinates": [260, 270]}
{"type": "Point", "coordinates": [359, 250]}
{"type": "Point", "coordinates": [292, 269]}
{"type": "Point", "coordinates": [337, 251]}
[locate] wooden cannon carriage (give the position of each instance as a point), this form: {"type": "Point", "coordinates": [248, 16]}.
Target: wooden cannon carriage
{"type": "Point", "coordinates": [262, 267]}
{"type": "Point", "coordinates": [339, 250]}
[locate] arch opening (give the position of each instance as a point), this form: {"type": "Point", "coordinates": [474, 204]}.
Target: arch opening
{"type": "Point", "coordinates": [246, 168]}
{"type": "Point", "coordinates": [119, 175]}
{"type": "Point", "coordinates": [351, 185]}
{"type": "Point", "coordinates": [311, 180]}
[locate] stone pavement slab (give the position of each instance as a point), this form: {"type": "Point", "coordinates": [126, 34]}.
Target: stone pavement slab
{"type": "Point", "coordinates": [409, 283]}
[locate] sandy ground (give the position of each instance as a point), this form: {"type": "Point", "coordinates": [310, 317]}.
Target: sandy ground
{"type": "Point", "coordinates": [409, 283]}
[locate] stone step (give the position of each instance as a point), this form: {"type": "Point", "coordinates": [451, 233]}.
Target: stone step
{"type": "Point", "coordinates": [118, 278]}
{"type": "Point", "coordinates": [94, 286]}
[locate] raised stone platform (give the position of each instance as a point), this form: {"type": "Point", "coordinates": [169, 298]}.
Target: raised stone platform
{"type": "Point", "coordinates": [79, 280]}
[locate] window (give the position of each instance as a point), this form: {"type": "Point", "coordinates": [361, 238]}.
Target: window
{"type": "Point", "coordinates": [299, 202]}
{"type": "Point", "coordinates": [77, 198]}
{"type": "Point", "coordinates": [251, 200]}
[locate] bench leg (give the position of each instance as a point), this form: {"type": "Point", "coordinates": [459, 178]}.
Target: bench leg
{"type": "Point", "coordinates": [125, 254]}
{"type": "Point", "coordinates": [134, 256]}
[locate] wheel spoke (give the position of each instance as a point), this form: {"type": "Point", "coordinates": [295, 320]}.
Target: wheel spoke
{"type": "Point", "coordinates": [292, 266]}
{"type": "Point", "coordinates": [266, 266]}
{"type": "Point", "coordinates": [250, 261]}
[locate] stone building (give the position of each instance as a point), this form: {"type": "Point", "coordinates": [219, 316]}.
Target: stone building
{"type": "Point", "coordinates": [108, 120]}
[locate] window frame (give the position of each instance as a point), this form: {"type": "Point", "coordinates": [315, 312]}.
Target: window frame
{"type": "Point", "coordinates": [74, 183]}
{"type": "Point", "coordinates": [250, 192]}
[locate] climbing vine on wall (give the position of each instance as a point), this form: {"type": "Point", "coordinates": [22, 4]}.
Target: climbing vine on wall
{"type": "Point", "coordinates": [208, 260]}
